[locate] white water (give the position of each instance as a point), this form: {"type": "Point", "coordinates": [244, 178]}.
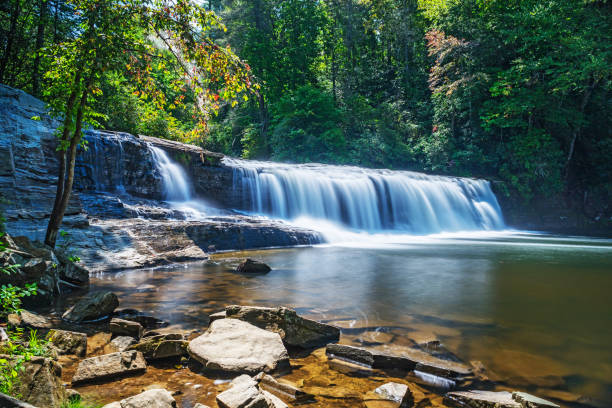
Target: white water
{"type": "Point", "coordinates": [178, 190]}
{"type": "Point", "coordinates": [333, 198]}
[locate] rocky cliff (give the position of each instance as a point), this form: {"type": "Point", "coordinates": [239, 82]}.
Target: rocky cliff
{"type": "Point", "coordinates": [116, 218]}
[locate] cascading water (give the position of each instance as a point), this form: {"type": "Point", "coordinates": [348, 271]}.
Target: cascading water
{"type": "Point", "coordinates": [178, 186]}
{"type": "Point", "coordinates": [370, 200]}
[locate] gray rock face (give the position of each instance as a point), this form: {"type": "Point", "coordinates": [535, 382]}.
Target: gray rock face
{"type": "Point", "coordinates": [253, 266]}
{"type": "Point", "coordinates": [155, 398]}
{"type": "Point", "coordinates": [120, 327]}
{"type": "Point", "coordinates": [161, 346]}
{"type": "Point", "coordinates": [232, 345]}
{"type": "Point", "coordinates": [293, 329]}
{"type": "Point", "coordinates": [68, 342]}
{"type": "Point", "coordinates": [109, 366]}
{"type": "Point", "coordinates": [40, 383]}
{"type": "Point", "coordinates": [92, 307]}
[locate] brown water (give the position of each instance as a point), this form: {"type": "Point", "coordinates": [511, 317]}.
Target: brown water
{"type": "Point", "coordinates": [535, 310]}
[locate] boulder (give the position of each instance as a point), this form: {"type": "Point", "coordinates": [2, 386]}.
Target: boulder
{"type": "Point", "coordinates": [68, 342]}
{"type": "Point", "coordinates": [71, 271]}
{"type": "Point", "coordinates": [295, 331]}
{"type": "Point", "coordinates": [232, 345]}
{"type": "Point", "coordinates": [242, 393]}
{"type": "Point", "coordinates": [10, 402]}
{"type": "Point", "coordinates": [120, 327]}
{"type": "Point", "coordinates": [390, 395]}
{"type": "Point", "coordinates": [122, 343]}
{"type": "Point", "coordinates": [155, 398]}
{"type": "Point", "coordinates": [40, 383]}
{"type": "Point", "coordinates": [252, 266]}
{"type": "Point", "coordinates": [109, 366]}
{"type": "Point", "coordinates": [30, 320]}
{"type": "Point", "coordinates": [92, 307]}
{"type": "Point", "coordinates": [161, 346]}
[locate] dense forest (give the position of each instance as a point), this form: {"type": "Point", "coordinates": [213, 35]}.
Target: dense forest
{"type": "Point", "coordinates": [517, 91]}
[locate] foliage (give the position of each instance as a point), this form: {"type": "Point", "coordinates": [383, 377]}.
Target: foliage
{"type": "Point", "coordinates": [20, 349]}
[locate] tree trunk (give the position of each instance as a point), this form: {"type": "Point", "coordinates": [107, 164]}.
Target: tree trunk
{"type": "Point", "coordinates": [10, 39]}
{"type": "Point", "coordinates": [57, 215]}
{"type": "Point", "coordinates": [40, 38]}
{"type": "Point", "coordinates": [576, 132]}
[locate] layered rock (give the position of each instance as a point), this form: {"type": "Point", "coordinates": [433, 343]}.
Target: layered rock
{"type": "Point", "coordinates": [231, 345]}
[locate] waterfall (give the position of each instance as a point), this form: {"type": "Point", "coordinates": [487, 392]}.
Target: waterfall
{"type": "Point", "coordinates": [177, 186]}
{"type": "Point", "coordinates": [366, 199]}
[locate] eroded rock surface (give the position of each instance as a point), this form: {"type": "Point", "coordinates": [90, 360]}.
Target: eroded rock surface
{"type": "Point", "coordinates": [232, 345]}
{"type": "Point", "coordinates": [68, 342]}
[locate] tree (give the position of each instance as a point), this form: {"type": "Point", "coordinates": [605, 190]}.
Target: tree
{"type": "Point", "coordinates": [115, 36]}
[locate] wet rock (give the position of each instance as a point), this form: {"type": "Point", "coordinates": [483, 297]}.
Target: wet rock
{"type": "Point", "coordinates": [243, 393]}
{"type": "Point", "coordinates": [40, 383]}
{"type": "Point", "coordinates": [371, 358]}
{"type": "Point", "coordinates": [273, 400]}
{"type": "Point", "coordinates": [120, 327]}
{"type": "Point", "coordinates": [155, 398]}
{"type": "Point", "coordinates": [390, 395]}
{"type": "Point", "coordinates": [30, 320]}
{"type": "Point", "coordinates": [122, 343]}
{"type": "Point", "coordinates": [146, 321]}
{"type": "Point", "coordinates": [109, 366]}
{"type": "Point", "coordinates": [294, 330]}
{"type": "Point", "coordinates": [96, 305]}
{"type": "Point", "coordinates": [235, 346]}
{"type": "Point", "coordinates": [252, 266]}
{"type": "Point", "coordinates": [10, 402]}
{"type": "Point", "coordinates": [161, 346]}
{"type": "Point", "coordinates": [68, 342]}
{"type": "Point", "coordinates": [285, 391]}
{"type": "Point", "coordinates": [71, 271]}
{"type": "Point", "coordinates": [146, 289]}
{"type": "Point", "coordinates": [531, 401]}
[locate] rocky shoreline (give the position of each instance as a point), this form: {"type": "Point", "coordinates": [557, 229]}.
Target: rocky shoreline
{"type": "Point", "coordinates": [247, 357]}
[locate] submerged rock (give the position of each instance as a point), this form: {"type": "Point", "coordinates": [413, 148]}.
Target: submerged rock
{"type": "Point", "coordinates": [122, 343]}
{"type": "Point", "coordinates": [145, 320]}
{"type": "Point", "coordinates": [294, 330]}
{"type": "Point", "coordinates": [96, 305]}
{"type": "Point", "coordinates": [109, 366]}
{"type": "Point", "coordinates": [282, 390]}
{"type": "Point", "coordinates": [235, 346]}
{"type": "Point", "coordinates": [155, 398]}
{"type": "Point", "coordinates": [242, 393]}
{"type": "Point", "coordinates": [252, 266]}
{"type": "Point", "coordinates": [120, 327]}
{"type": "Point", "coordinates": [68, 342]}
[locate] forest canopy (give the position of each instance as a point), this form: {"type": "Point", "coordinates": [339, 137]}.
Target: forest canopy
{"type": "Point", "coordinates": [517, 91]}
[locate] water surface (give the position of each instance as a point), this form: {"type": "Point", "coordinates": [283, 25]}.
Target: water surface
{"type": "Point", "coordinates": [535, 310]}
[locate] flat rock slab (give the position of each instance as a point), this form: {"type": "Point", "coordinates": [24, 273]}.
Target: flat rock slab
{"type": "Point", "coordinates": [294, 330]}
{"type": "Point", "coordinates": [283, 390]}
{"type": "Point", "coordinates": [29, 319]}
{"type": "Point", "coordinates": [232, 345]}
{"type": "Point", "coordinates": [109, 366]}
{"type": "Point", "coordinates": [242, 393]}
{"type": "Point", "coordinates": [68, 342]}
{"type": "Point", "coordinates": [96, 305]}
{"type": "Point", "coordinates": [156, 398]}
{"type": "Point", "coordinates": [122, 343]}
{"type": "Point", "coordinates": [500, 399]}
